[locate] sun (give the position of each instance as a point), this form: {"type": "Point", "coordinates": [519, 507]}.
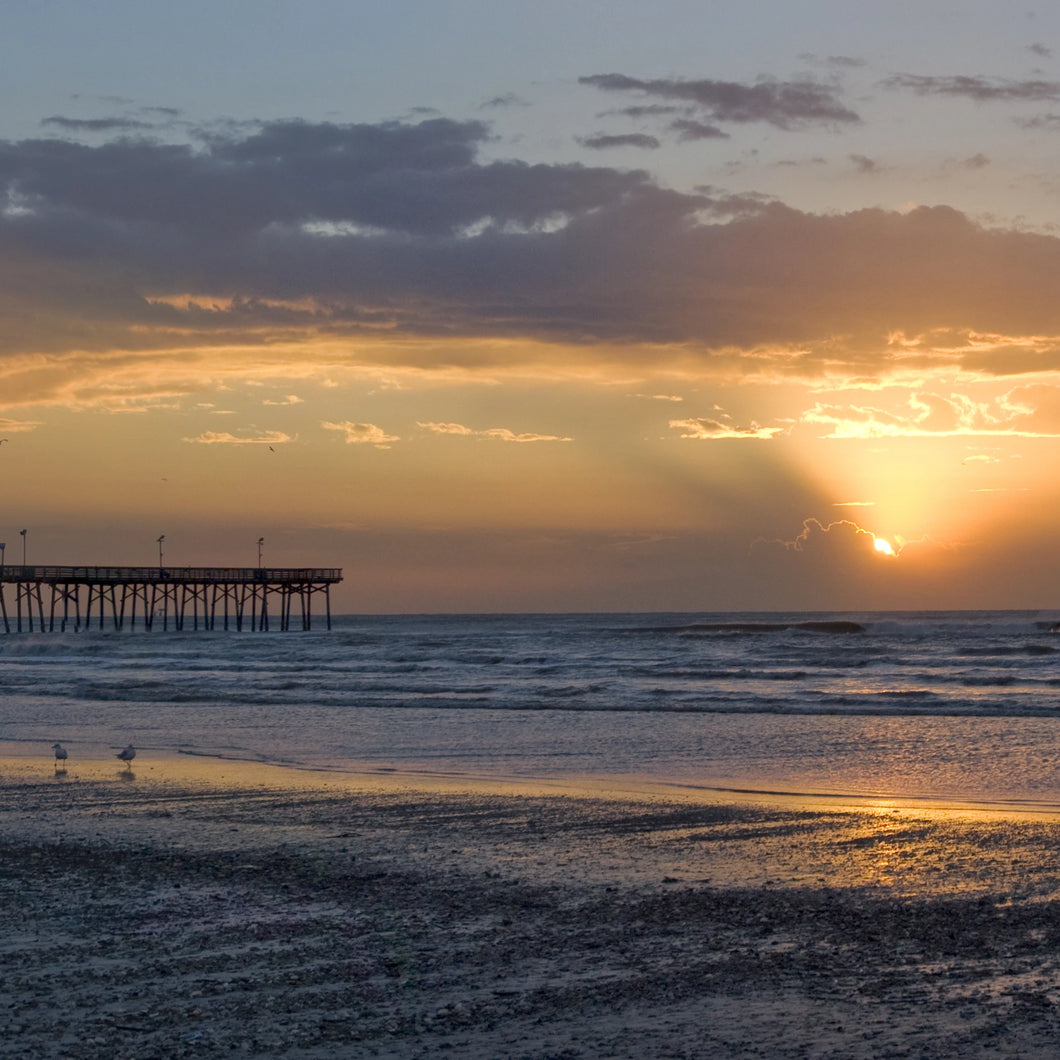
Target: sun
{"type": "Point", "coordinates": [883, 547]}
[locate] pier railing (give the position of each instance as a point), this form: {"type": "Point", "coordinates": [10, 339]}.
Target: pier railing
{"type": "Point", "coordinates": [116, 575]}
{"type": "Point", "coordinates": [224, 597]}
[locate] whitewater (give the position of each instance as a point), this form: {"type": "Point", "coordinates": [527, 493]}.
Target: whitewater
{"type": "Point", "coordinates": [961, 706]}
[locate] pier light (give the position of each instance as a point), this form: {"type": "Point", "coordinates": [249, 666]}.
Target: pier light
{"type": "Point", "coordinates": [261, 545]}
{"type": "Point", "coordinates": [22, 534]}
{"type": "Point", "coordinates": [161, 538]}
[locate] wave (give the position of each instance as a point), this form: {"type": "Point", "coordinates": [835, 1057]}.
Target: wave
{"type": "Point", "coordinates": [990, 651]}
{"type": "Point", "coordinates": [830, 626]}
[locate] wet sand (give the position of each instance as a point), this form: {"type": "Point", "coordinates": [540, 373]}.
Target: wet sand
{"type": "Point", "coordinates": [189, 908]}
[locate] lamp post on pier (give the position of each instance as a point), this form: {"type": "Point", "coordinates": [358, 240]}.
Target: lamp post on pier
{"type": "Point", "coordinates": [161, 538]}
{"type": "Point", "coordinates": [261, 545]}
{"type": "Point", "coordinates": [3, 602]}
{"type": "Point", "coordinates": [22, 534]}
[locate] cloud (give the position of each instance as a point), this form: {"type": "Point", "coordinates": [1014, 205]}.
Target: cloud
{"type": "Point", "coordinates": [714, 430]}
{"type": "Point", "coordinates": [1048, 122]}
{"type": "Point", "coordinates": [841, 562]}
{"type": "Point", "coordinates": [785, 104]}
{"type": "Point", "coordinates": [508, 99]}
{"type": "Point", "coordinates": [602, 142]}
{"type": "Point", "coordinates": [841, 61]}
{"type": "Point", "coordinates": [979, 89]}
{"type": "Point", "coordinates": [290, 399]}
{"type": "Point", "coordinates": [447, 428]}
{"type": "Point", "coordinates": [864, 164]}
{"type": "Point", "coordinates": [393, 177]}
{"type": "Point", "coordinates": [362, 433]}
{"type": "Point", "coordinates": [843, 533]}
{"type": "Point", "coordinates": [148, 265]}
{"type": "Point", "coordinates": [1022, 412]}
{"type": "Point", "coordinates": [689, 129]}
{"type": "Point", "coordinates": [500, 434]}
{"type": "Point", "coordinates": [650, 110]}
{"type": "Point", "coordinates": [224, 438]}
{"type": "Point", "coordinates": [96, 124]}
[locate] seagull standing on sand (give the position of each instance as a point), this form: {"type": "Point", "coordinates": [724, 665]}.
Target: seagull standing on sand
{"type": "Point", "coordinates": [61, 754]}
{"type": "Point", "coordinates": [128, 754]}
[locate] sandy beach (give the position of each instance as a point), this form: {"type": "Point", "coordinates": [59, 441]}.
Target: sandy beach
{"type": "Point", "coordinates": [187, 908]}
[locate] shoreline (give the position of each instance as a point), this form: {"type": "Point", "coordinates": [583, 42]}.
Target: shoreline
{"type": "Point", "coordinates": [191, 767]}
{"type": "Point", "coordinates": [203, 906]}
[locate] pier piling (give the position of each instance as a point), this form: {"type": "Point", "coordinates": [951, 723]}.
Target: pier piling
{"type": "Point", "coordinates": [165, 596]}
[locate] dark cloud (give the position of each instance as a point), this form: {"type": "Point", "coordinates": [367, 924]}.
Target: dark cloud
{"type": "Point", "coordinates": [414, 178]}
{"type": "Point", "coordinates": [1049, 122]}
{"type": "Point", "coordinates": [509, 99]}
{"type": "Point", "coordinates": [720, 203]}
{"type": "Point", "coordinates": [296, 230]}
{"type": "Point", "coordinates": [96, 124]}
{"type": "Point", "coordinates": [817, 160]}
{"type": "Point", "coordinates": [1041, 50]}
{"type": "Point", "coordinates": [864, 164]}
{"type": "Point", "coordinates": [688, 129]}
{"type": "Point", "coordinates": [650, 110]}
{"type": "Point", "coordinates": [840, 61]}
{"type": "Point", "coordinates": [785, 104]}
{"type": "Point", "coordinates": [602, 142]}
{"type": "Point", "coordinates": [980, 89]}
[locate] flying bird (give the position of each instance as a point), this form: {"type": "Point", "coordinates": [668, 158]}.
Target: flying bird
{"type": "Point", "coordinates": [127, 755]}
{"type": "Point", "coordinates": [61, 754]}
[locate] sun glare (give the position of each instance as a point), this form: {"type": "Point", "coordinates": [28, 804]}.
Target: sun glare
{"type": "Point", "coordinates": [884, 547]}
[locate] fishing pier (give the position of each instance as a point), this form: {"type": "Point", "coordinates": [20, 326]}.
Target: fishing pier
{"type": "Point", "coordinates": [57, 599]}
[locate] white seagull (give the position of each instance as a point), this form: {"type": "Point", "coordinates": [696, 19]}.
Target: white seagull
{"type": "Point", "coordinates": [128, 754]}
{"type": "Point", "coordinates": [61, 754]}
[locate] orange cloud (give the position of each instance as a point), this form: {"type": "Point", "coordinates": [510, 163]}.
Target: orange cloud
{"type": "Point", "coordinates": [362, 434]}
{"type": "Point", "coordinates": [714, 430]}
{"type": "Point", "coordinates": [815, 534]}
{"type": "Point", "coordinates": [501, 434]}
{"type": "Point", "coordinates": [224, 438]}
{"type": "Point", "coordinates": [1022, 412]}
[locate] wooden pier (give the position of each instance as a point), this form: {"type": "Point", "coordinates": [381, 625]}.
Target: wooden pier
{"type": "Point", "coordinates": [57, 599]}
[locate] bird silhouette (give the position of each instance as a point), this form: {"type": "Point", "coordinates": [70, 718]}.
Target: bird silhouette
{"type": "Point", "coordinates": [127, 755]}
{"type": "Point", "coordinates": [61, 754]}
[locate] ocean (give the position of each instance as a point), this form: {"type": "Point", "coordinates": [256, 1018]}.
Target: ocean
{"type": "Point", "coordinates": [961, 706]}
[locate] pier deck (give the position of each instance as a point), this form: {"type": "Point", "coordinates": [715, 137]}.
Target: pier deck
{"type": "Point", "coordinates": [173, 597]}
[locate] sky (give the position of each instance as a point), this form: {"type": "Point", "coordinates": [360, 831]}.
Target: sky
{"type": "Point", "coordinates": [688, 306]}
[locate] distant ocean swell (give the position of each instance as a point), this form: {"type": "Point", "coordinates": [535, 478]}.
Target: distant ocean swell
{"type": "Point", "coordinates": [957, 664]}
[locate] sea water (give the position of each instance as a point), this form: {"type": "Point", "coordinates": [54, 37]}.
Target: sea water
{"type": "Point", "coordinates": [951, 706]}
